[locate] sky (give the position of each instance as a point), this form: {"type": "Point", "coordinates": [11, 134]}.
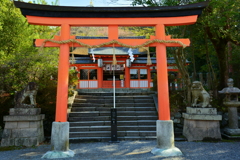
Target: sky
{"type": "Point", "coordinates": [96, 3]}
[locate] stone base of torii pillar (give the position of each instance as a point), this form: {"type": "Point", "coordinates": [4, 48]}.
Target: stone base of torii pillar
{"type": "Point", "coordinates": [165, 140]}
{"type": "Point", "coordinates": [59, 142]}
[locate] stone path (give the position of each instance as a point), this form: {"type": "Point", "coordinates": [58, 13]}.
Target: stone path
{"type": "Point", "coordinates": [134, 150]}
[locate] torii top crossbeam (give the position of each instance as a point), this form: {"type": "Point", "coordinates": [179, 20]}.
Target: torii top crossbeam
{"type": "Point", "coordinates": [112, 17]}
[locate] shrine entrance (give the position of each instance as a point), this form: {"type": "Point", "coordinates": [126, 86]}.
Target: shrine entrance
{"type": "Point", "coordinates": [112, 17]}
{"type": "Point", "coordinates": [108, 78]}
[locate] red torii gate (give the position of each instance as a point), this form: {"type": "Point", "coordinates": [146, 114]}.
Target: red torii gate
{"type": "Point", "coordinates": [63, 69]}
{"type": "Point", "coordinates": [112, 17]}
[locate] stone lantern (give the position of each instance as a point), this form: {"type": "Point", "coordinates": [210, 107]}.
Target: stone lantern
{"type": "Point", "coordinates": [232, 102]}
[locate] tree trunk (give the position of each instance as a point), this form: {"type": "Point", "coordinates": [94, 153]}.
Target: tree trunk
{"type": "Point", "coordinates": [181, 62]}
{"type": "Point", "coordinates": [220, 45]}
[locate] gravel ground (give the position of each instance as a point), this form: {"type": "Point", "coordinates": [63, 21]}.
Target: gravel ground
{"type": "Point", "coordinates": [133, 150]}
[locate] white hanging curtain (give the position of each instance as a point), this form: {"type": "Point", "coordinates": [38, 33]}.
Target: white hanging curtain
{"type": "Point", "coordinates": [143, 71]}
{"type": "Point", "coordinates": [133, 71]}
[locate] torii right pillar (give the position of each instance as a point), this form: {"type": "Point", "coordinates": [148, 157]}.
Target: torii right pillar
{"type": "Point", "coordinates": [165, 132]}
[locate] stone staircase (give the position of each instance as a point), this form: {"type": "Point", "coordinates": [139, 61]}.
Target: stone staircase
{"type": "Point", "coordinates": [90, 117]}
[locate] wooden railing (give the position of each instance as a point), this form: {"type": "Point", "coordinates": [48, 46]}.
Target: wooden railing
{"type": "Point", "coordinates": [88, 84]}
{"type": "Point", "coordinates": [139, 83]}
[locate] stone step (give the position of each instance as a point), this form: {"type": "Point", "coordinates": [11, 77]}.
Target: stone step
{"type": "Point", "coordinates": [137, 128]}
{"type": "Point", "coordinates": [107, 139]}
{"type": "Point", "coordinates": [108, 128]}
{"type": "Point", "coordinates": [126, 118]}
{"type": "Point", "coordinates": [90, 123]}
{"type": "Point", "coordinates": [108, 133]}
{"type": "Point", "coordinates": [124, 138]}
{"type": "Point", "coordinates": [87, 105]}
{"type": "Point", "coordinates": [90, 117]}
{"type": "Point", "coordinates": [108, 113]}
{"type": "Point", "coordinates": [111, 105]}
{"type": "Point", "coordinates": [99, 118]}
{"type": "Point", "coordinates": [88, 114]}
{"type": "Point", "coordinates": [139, 122]}
{"type": "Point", "coordinates": [90, 128]}
{"type": "Point", "coordinates": [111, 97]}
{"type": "Point", "coordinates": [117, 93]}
{"type": "Point", "coordinates": [79, 109]}
{"type": "Point", "coordinates": [131, 104]}
{"type": "Point", "coordinates": [90, 134]}
{"type": "Point", "coordinates": [107, 118]}
{"type": "Point", "coordinates": [108, 123]}
{"type": "Point", "coordinates": [103, 101]}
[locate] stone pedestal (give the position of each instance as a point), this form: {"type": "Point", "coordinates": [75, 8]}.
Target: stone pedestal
{"type": "Point", "coordinates": [59, 142]}
{"type": "Point", "coordinates": [165, 140]}
{"type": "Point", "coordinates": [23, 127]}
{"type": "Point", "coordinates": [201, 123]}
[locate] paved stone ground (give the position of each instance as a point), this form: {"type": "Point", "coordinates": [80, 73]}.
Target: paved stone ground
{"type": "Point", "coordinates": [133, 150]}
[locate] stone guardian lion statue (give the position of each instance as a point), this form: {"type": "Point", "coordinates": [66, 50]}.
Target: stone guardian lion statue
{"type": "Point", "coordinates": [29, 91]}
{"type": "Point", "coordinates": [200, 97]}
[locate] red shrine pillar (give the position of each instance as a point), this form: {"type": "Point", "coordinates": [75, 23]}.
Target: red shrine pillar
{"type": "Point", "coordinates": [100, 77]}
{"type": "Point", "coordinates": [164, 126]}
{"type": "Point", "coordinates": [127, 77]}
{"type": "Point", "coordinates": [162, 75]}
{"type": "Point", "coordinates": [63, 74]}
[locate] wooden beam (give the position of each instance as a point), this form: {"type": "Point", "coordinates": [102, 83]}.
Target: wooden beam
{"type": "Point", "coordinates": [167, 21]}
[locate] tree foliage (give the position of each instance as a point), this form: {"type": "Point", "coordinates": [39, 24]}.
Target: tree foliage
{"type": "Point", "coordinates": [20, 61]}
{"type": "Point", "coordinates": [220, 22]}
{"type": "Point", "coordinates": [214, 38]}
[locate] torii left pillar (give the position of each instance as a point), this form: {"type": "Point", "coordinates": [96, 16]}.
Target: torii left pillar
{"type": "Point", "coordinates": [60, 128]}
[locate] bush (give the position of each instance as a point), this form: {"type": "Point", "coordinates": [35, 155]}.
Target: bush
{"type": "Point", "coordinates": [46, 100]}
{"type": "Point", "coordinates": [6, 102]}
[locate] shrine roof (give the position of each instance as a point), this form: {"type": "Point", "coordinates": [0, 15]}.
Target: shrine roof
{"type": "Point", "coordinates": [109, 12]}
{"type": "Point", "coordinates": [117, 50]}
{"type": "Point", "coordinates": [131, 37]}
{"type": "Point", "coordinates": [138, 60]}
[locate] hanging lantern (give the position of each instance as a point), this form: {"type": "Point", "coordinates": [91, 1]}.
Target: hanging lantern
{"type": "Point", "coordinates": [100, 62]}
{"type": "Point", "coordinates": [128, 63]}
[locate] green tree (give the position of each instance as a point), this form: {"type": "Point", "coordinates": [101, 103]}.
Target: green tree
{"type": "Point", "coordinates": [220, 22]}
{"type": "Point", "coordinates": [214, 36]}
{"type": "Point", "coordinates": [20, 61]}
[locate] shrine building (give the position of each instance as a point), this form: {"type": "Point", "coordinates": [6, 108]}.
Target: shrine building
{"type": "Point", "coordinates": [95, 68]}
